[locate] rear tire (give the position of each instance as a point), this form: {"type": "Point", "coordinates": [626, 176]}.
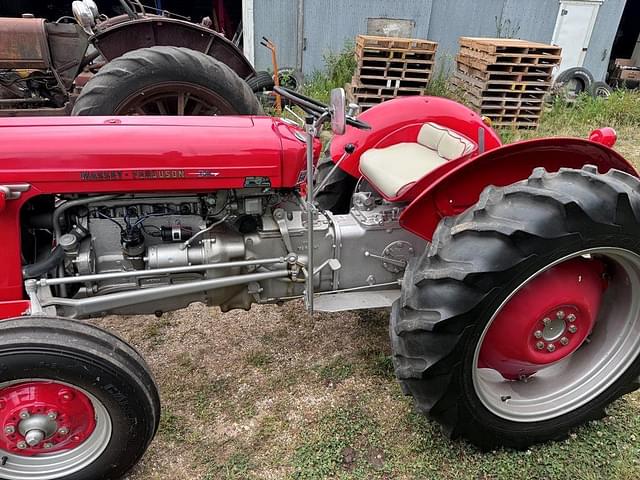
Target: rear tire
{"type": "Point", "coordinates": [149, 81]}
{"type": "Point", "coordinates": [89, 363]}
{"type": "Point", "coordinates": [476, 262]}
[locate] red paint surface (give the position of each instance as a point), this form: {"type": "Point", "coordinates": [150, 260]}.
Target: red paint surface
{"type": "Point", "coordinates": [73, 408]}
{"type": "Point", "coordinates": [396, 120]}
{"type": "Point", "coordinates": [575, 287]}
{"type": "Point", "coordinates": [190, 154]}
{"type": "Point", "coordinates": [455, 186]}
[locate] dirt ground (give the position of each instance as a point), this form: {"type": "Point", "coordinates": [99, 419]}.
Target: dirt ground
{"type": "Point", "coordinates": [272, 394]}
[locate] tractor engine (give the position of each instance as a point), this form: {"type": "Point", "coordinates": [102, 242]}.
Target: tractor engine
{"type": "Point", "coordinates": [254, 240]}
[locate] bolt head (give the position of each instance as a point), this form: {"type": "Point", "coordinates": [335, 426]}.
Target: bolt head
{"type": "Point", "coordinates": [546, 320]}
{"type": "Point", "coordinates": [571, 317]}
{"type": "Point", "coordinates": [537, 334]}
{"type": "Point", "coordinates": [573, 329]}
{"type": "Point", "coordinates": [9, 429]}
{"type": "Point", "coordinates": [560, 314]}
{"type": "Point", "coordinates": [564, 341]}
{"type": "Point", "coordinates": [551, 347]}
{"type": "Point", "coordinates": [52, 415]}
{"type": "Point", "coordinates": [24, 414]}
{"type": "Point", "coordinates": [63, 431]}
{"type": "Point", "coordinates": [48, 445]}
{"type": "Point", "coordinates": [22, 445]}
{"type": "Point", "coordinates": [540, 345]}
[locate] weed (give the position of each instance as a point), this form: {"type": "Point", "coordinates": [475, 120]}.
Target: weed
{"type": "Point", "coordinates": [337, 370]}
{"type": "Point", "coordinates": [259, 358]}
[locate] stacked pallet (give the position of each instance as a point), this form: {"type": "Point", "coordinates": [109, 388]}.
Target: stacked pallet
{"type": "Point", "coordinates": [390, 67]}
{"type": "Point", "coordinates": [506, 79]}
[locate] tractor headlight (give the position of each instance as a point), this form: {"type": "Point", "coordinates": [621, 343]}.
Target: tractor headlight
{"type": "Point", "coordinates": [93, 8]}
{"type": "Point", "coordinates": [83, 16]}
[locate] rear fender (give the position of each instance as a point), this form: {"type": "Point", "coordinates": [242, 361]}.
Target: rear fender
{"type": "Point", "coordinates": [151, 31]}
{"type": "Point", "coordinates": [400, 120]}
{"type": "Point", "coordinates": [453, 190]}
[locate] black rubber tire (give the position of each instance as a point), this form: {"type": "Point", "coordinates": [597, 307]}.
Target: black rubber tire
{"type": "Point", "coordinates": [336, 194]}
{"type": "Point", "coordinates": [98, 362]}
{"type": "Point", "coordinates": [600, 90]}
{"type": "Point", "coordinates": [475, 261]}
{"type": "Point", "coordinates": [260, 82]}
{"type": "Point", "coordinates": [581, 75]}
{"type": "Point", "coordinates": [140, 69]}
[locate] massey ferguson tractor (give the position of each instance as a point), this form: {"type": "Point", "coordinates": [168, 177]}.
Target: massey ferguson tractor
{"type": "Point", "coordinates": [513, 272]}
{"type": "Point", "coordinates": [138, 63]}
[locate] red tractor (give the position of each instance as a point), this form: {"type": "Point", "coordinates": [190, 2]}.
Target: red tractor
{"type": "Point", "coordinates": [513, 271]}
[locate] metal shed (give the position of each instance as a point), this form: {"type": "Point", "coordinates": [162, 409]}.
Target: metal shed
{"type": "Point", "coordinates": [305, 30]}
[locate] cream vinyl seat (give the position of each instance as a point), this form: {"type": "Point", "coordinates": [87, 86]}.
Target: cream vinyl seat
{"type": "Point", "coordinates": [393, 168]}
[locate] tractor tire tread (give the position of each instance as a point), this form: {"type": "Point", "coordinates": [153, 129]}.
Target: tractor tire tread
{"type": "Point", "coordinates": [444, 288]}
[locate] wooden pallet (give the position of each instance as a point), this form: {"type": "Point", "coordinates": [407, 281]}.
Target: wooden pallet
{"type": "Point", "coordinates": [506, 46]}
{"type": "Point", "coordinates": [365, 42]}
{"type": "Point", "coordinates": [506, 79]}
{"type": "Point", "coordinates": [390, 67]}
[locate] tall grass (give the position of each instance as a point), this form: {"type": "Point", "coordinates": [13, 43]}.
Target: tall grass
{"type": "Point", "coordinates": [339, 68]}
{"type": "Point", "coordinates": [620, 110]}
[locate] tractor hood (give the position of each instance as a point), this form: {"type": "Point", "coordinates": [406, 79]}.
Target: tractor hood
{"type": "Point", "coordinates": [120, 154]}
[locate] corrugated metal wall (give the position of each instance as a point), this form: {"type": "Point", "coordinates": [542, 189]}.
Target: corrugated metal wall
{"type": "Point", "coordinates": [330, 23]}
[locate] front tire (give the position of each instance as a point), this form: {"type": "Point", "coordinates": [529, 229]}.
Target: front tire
{"type": "Point", "coordinates": [166, 81]}
{"type": "Point", "coordinates": [77, 402]}
{"type": "Point", "coordinates": [484, 365]}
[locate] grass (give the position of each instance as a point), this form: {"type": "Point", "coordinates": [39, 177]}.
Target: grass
{"type": "Point", "coordinates": [273, 394]}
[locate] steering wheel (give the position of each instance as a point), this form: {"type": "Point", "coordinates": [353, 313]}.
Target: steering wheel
{"type": "Point", "coordinates": [314, 107]}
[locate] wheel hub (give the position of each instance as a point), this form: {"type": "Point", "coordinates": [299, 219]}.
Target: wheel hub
{"type": "Point", "coordinates": [547, 320]}
{"type": "Point", "coordinates": [43, 417]}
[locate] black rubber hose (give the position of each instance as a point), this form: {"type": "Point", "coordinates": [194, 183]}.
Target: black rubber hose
{"type": "Point", "coordinates": [36, 270]}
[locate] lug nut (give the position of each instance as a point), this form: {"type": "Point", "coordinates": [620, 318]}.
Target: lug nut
{"type": "Point", "coordinates": [540, 345]}
{"type": "Point", "coordinates": [573, 329]}
{"type": "Point", "coordinates": [24, 414]}
{"type": "Point", "coordinates": [560, 314]}
{"type": "Point", "coordinates": [9, 429]}
{"type": "Point", "coordinates": [571, 317]}
{"type": "Point", "coordinates": [564, 341]}
{"type": "Point", "coordinates": [52, 415]}
{"type": "Point", "coordinates": [551, 347]}
{"type": "Point", "coordinates": [22, 445]}
{"type": "Point", "coordinates": [48, 445]}
{"type": "Point", "coordinates": [537, 334]}
{"type": "Point", "coordinates": [546, 321]}
{"type": "Point", "coordinates": [63, 431]}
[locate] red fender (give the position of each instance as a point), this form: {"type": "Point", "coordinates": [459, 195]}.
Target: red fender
{"type": "Point", "coordinates": [400, 119]}
{"type": "Point", "coordinates": [456, 189]}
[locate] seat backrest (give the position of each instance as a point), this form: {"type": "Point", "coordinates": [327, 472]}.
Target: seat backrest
{"type": "Point", "coordinates": [430, 134]}
{"type": "Point", "coordinates": [448, 143]}
{"type": "Point", "coordinates": [454, 146]}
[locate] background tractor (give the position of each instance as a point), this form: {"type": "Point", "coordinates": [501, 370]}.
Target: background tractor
{"type": "Point", "coordinates": [138, 63]}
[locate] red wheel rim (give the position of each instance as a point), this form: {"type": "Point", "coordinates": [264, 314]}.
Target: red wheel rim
{"type": "Point", "coordinates": [546, 321]}
{"type": "Point", "coordinates": [40, 417]}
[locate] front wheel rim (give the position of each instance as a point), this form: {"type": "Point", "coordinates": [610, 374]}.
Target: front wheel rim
{"type": "Point", "coordinates": [60, 464]}
{"type": "Point", "coordinates": [586, 373]}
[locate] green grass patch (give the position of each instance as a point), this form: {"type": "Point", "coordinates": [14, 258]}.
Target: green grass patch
{"type": "Point", "coordinates": [344, 443]}
{"type": "Point", "coordinates": [337, 370]}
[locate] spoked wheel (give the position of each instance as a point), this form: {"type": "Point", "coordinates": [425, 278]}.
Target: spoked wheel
{"type": "Point", "coordinates": [522, 320]}
{"type": "Point", "coordinates": [175, 98]}
{"type": "Point", "coordinates": [76, 402]}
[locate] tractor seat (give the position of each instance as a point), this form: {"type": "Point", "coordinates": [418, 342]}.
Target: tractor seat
{"type": "Point", "coordinates": [392, 170]}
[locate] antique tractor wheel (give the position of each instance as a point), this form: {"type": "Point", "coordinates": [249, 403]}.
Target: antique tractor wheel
{"type": "Point", "coordinates": [166, 81]}
{"type": "Point", "coordinates": [76, 402]}
{"type": "Point", "coordinates": [522, 320]}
